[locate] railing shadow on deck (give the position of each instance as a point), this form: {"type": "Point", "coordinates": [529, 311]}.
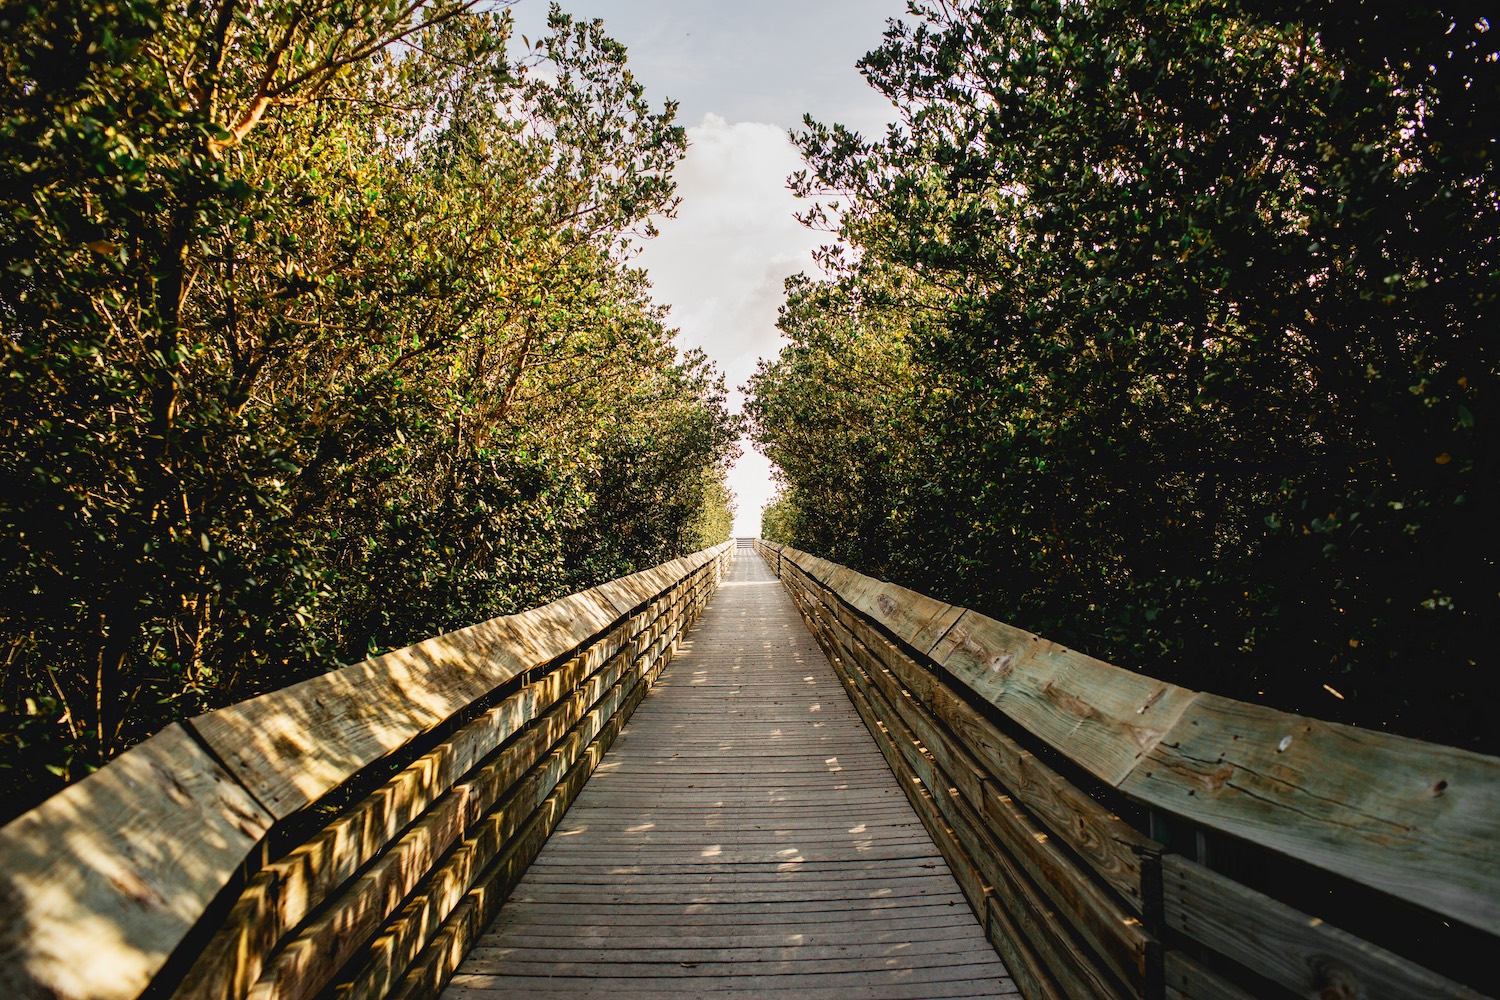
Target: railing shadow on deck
{"type": "Point", "coordinates": [1119, 836]}
{"type": "Point", "coordinates": [348, 836]}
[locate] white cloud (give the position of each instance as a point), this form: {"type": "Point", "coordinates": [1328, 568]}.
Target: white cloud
{"type": "Point", "coordinates": [734, 67]}
{"type": "Point", "coordinates": [721, 263]}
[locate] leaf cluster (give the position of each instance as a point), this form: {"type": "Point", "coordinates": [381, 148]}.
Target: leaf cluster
{"type": "Point", "coordinates": [318, 336]}
{"type": "Point", "coordinates": [1194, 303]}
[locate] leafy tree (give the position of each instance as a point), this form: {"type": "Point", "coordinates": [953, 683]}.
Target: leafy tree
{"type": "Point", "coordinates": [319, 336]}
{"type": "Point", "coordinates": [1206, 387]}
{"type": "Point", "coordinates": [835, 415]}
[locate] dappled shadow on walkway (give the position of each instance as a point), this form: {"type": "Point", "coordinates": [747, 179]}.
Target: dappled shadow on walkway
{"type": "Point", "coordinates": [743, 834]}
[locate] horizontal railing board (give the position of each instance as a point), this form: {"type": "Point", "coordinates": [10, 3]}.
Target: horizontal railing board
{"type": "Point", "coordinates": [293, 746]}
{"type": "Point", "coordinates": [1115, 934]}
{"type": "Point", "coordinates": [285, 892]}
{"type": "Point", "coordinates": [942, 766]}
{"type": "Point", "coordinates": [1299, 952]}
{"type": "Point", "coordinates": [100, 883]}
{"type": "Point", "coordinates": [429, 970]}
{"type": "Point", "coordinates": [629, 593]}
{"type": "Point", "coordinates": [1111, 847]}
{"type": "Point", "coordinates": [1417, 820]}
{"type": "Point", "coordinates": [321, 948]}
{"type": "Point", "coordinates": [1101, 717]}
{"type": "Point", "coordinates": [916, 619]}
{"type": "Point", "coordinates": [1024, 966]}
{"type": "Point", "coordinates": [554, 629]}
{"type": "Point", "coordinates": [1187, 979]}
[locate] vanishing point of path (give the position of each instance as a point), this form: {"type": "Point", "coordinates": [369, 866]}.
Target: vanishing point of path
{"type": "Point", "coordinates": [744, 835]}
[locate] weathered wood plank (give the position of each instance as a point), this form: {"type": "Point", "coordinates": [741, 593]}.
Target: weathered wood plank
{"type": "Point", "coordinates": [102, 881]}
{"type": "Point", "coordinates": [1073, 969]}
{"type": "Point", "coordinates": [281, 895]}
{"type": "Point", "coordinates": [1111, 931]}
{"type": "Point", "coordinates": [680, 862]}
{"type": "Point", "coordinates": [1111, 846]}
{"type": "Point", "coordinates": [1302, 953]}
{"type": "Point", "coordinates": [445, 950]}
{"type": "Point", "coordinates": [1417, 820]}
{"type": "Point", "coordinates": [937, 930]}
{"type": "Point", "coordinates": [291, 747]}
{"type": "Point", "coordinates": [918, 620]}
{"type": "Point", "coordinates": [1187, 979]}
{"type": "Point", "coordinates": [400, 942]}
{"type": "Point", "coordinates": [1101, 717]}
{"type": "Point", "coordinates": [306, 964]}
{"type": "Point", "coordinates": [584, 988]}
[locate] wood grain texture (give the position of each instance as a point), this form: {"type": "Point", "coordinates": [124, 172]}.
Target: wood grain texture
{"type": "Point", "coordinates": [307, 963]}
{"type": "Point", "coordinates": [1416, 820]}
{"type": "Point", "coordinates": [916, 619]}
{"type": "Point", "coordinates": [1045, 930]}
{"type": "Point", "coordinates": [1187, 979]}
{"type": "Point", "coordinates": [284, 893]}
{"type": "Point", "coordinates": [101, 882]}
{"type": "Point", "coordinates": [1302, 953]}
{"type": "Point", "coordinates": [1110, 846]}
{"type": "Point", "coordinates": [1027, 970]}
{"type": "Point", "coordinates": [740, 802]}
{"type": "Point", "coordinates": [1110, 929]}
{"type": "Point", "coordinates": [489, 861]}
{"type": "Point", "coordinates": [99, 885]}
{"type": "Point", "coordinates": [291, 747]}
{"type": "Point", "coordinates": [1102, 718]}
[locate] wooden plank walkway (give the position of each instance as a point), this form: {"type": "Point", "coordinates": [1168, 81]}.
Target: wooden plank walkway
{"type": "Point", "coordinates": [743, 835]}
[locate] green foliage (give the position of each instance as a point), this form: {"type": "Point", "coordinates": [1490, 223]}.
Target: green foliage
{"type": "Point", "coordinates": [834, 416]}
{"type": "Point", "coordinates": [714, 521]}
{"type": "Point", "coordinates": [318, 336]}
{"type": "Point", "coordinates": [777, 522]}
{"type": "Point", "coordinates": [1197, 301]}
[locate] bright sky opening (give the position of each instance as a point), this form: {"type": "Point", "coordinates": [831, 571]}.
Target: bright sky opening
{"type": "Point", "coordinates": [744, 75]}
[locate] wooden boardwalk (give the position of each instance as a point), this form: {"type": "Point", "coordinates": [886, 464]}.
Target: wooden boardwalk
{"type": "Point", "coordinates": [743, 835]}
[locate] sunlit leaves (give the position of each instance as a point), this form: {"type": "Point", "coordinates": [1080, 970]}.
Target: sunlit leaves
{"type": "Point", "coordinates": [319, 338]}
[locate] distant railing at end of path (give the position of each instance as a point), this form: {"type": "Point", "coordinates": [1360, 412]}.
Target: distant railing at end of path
{"type": "Point", "coordinates": [345, 837]}
{"type": "Point", "coordinates": [1119, 836]}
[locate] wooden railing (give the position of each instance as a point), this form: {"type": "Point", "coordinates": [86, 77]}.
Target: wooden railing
{"type": "Point", "coordinates": [1119, 836]}
{"type": "Point", "coordinates": [347, 836]}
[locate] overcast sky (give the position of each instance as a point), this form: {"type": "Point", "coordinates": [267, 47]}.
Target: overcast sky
{"type": "Point", "coordinates": [744, 73]}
